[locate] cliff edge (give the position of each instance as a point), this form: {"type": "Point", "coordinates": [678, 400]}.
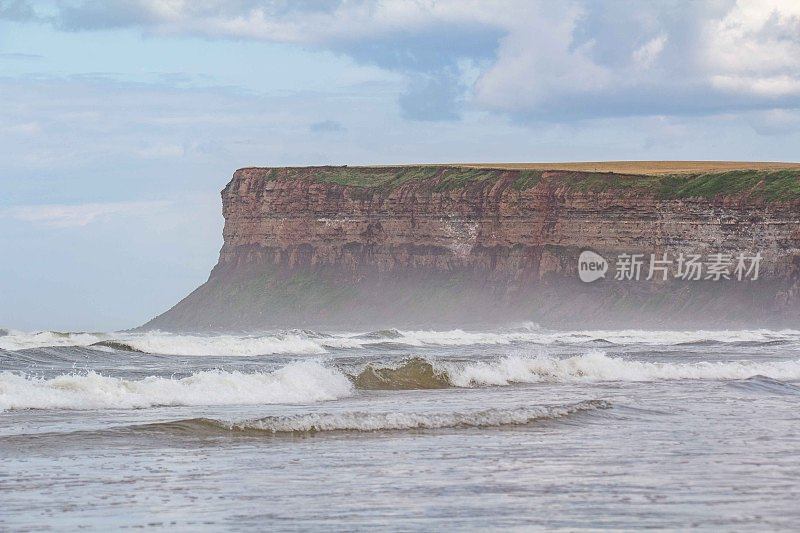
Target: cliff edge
{"type": "Point", "coordinates": [420, 246]}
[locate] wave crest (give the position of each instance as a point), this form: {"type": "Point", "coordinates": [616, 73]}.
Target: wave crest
{"type": "Point", "coordinates": [368, 421]}
{"type": "Point", "coordinates": [597, 366]}
{"type": "Point", "coordinates": [304, 342]}
{"type": "Point", "coordinates": [414, 373]}
{"type": "Point", "coordinates": [115, 345]}
{"type": "Point", "coordinates": [419, 373]}
{"type": "Point", "coordinates": [302, 382]}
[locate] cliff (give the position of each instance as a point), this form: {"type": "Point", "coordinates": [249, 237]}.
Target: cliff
{"type": "Point", "coordinates": [446, 245]}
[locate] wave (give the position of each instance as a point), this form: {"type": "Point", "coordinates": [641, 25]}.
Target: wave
{"type": "Point", "coordinates": [414, 373]}
{"type": "Point", "coordinates": [368, 421]}
{"type": "Point", "coordinates": [222, 345]}
{"type": "Point", "coordinates": [157, 342]}
{"type": "Point", "coordinates": [309, 381]}
{"type": "Point", "coordinates": [764, 384]}
{"type": "Point", "coordinates": [301, 342]}
{"type": "Point", "coordinates": [15, 340]}
{"type": "Point", "coordinates": [381, 334]}
{"type": "Point", "coordinates": [597, 366]}
{"type": "Point", "coordinates": [419, 373]}
{"type": "Point", "coordinates": [115, 345]}
{"type": "Point", "coordinates": [302, 382]}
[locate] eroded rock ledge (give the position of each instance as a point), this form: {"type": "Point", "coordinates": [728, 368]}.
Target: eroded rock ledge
{"type": "Point", "coordinates": [438, 245]}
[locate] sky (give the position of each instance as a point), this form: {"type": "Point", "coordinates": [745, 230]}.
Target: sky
{"type": "Point", "coordinates": [121, 120]}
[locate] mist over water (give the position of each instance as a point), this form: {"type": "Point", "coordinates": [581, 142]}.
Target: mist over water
{"type": "Point", "coordinates": [462, 427]}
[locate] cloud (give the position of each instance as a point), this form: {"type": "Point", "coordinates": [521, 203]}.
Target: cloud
{"type": "Point", "coordinates": [619, 59]}
{"type": "Point", "coordinates": [424, 40]}
{"type": "Point", "coordinates": [18, 10]}
{"type": "Point", "coordinates": [433, 96]}
{"type": "Point", "coordinates": [755, 48]}
{"type": "Point", "coordinates": [78, 215]}
{"type": "Point", "coordinates": [537, 60]}
{"type": "Point", "coordinates": [649, 52]}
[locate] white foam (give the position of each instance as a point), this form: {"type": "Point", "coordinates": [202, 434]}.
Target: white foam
{"type": "Point", "coordinates": [301, 382]}
{"type": "Point", "coordinates": [656, 338]}
{"type": "Point", "coordinates": [531, 334]}
{"type": "Point", "coordinates": [222, 345]}
{"type": "Point", "coordinates": [596, 366]}
{"type": "Point", "coordinates": [363, 421]}
{"type": "Point", "coordinates": [455, 337]}
{"type": "Point", "coordinates": [300, 342]}
{"type": "Point", "coordinates": [20, 340]}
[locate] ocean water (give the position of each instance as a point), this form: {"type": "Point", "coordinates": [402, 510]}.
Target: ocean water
{"type": "Point", "coordinates": [517, 427]}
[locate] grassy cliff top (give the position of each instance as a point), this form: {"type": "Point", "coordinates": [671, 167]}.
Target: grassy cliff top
{"type": "Point", "coordinates": [667, 179]}
{"type": "Point", "coordinates": [645, 168]}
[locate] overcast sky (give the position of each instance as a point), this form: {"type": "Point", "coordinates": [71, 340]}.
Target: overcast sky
{"type": "Point", "coordinates": [120, 121]}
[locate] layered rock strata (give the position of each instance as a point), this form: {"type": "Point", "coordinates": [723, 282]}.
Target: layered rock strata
{"type": "Point", "coordinates": [438, 245]}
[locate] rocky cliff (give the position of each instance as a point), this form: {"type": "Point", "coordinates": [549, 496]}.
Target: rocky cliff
{"type": "Point", "coordinates": [441, 245]}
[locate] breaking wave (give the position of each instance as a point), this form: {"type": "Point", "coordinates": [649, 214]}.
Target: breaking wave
{"type": "Point", "coordinates": [418, 373]}
{"type": "Point", "coordinates": [302, 382]}
{"type": "Point", "coordinates": [156, 342]}
{"type": "Point", "coordinates": [302, 342]}
{"type": "Point", "coordinates": [18, 340]}
{"type": "Point", "coordinates": [367, 421]}
{"type": "Point", "coordinates": [597, 366]}
{"type": "Point", "coordinates": [309, 381]}
{"type": "Point", "coordinates": [414, 373]}
{"type": "Point", "coordinates": [115, 345]}
{"type": "Point", "coordinates": [222, 345]}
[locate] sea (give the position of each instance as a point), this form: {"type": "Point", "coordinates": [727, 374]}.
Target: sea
{"type": "Point", "coordinates": [519, 428]}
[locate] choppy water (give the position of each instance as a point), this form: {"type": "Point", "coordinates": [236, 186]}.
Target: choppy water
{"type": "Point", "coordinates": [517, 427]}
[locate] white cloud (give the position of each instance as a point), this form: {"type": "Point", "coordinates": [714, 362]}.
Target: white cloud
{"type": "Point", "coordinates": [769, 86]}
{"type": "Point", "coordinates": [649, 52]}
{"type": "Point", "coordinates": [78, 215]}
{"type": "Point", "coordinates": [755, 48]}
{"type": "Point", "coordinates": [277, 21]}
{"type": "Point", "coordinates": [535, 58]}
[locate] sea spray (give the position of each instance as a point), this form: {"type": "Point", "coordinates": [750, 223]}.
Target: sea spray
{"type": "Point", "coordinates": [300, 342]}
{"type": "Point", "coordinates": [301, 382]}
{"type": "Point", "coordinates": [597, 366]}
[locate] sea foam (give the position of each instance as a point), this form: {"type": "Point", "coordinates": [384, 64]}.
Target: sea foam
{"type": "Point", "coordinates": [304, 342]}
{"type": "Point", "coordinates": [302, 382]}
{"type": "Point", "coordinates": [597, 366]}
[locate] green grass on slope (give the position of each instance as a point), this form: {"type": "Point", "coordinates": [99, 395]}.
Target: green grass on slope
{"type": "Point", "coordinates": [780, 185]}
{"type": "Point", "coordinates": [388, 177]}
{"type": "Point", "coordinates": [771, 185]}
{"type": "Point", "coordinates": [527, 179]}
{"type": "Point", "coordinates": [442, 178]}
{"type": "Point", "coordinates": [605, 181]}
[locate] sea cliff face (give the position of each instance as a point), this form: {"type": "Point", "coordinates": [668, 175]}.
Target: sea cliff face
{"type": "Point", "coordinates": [423, 245]}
